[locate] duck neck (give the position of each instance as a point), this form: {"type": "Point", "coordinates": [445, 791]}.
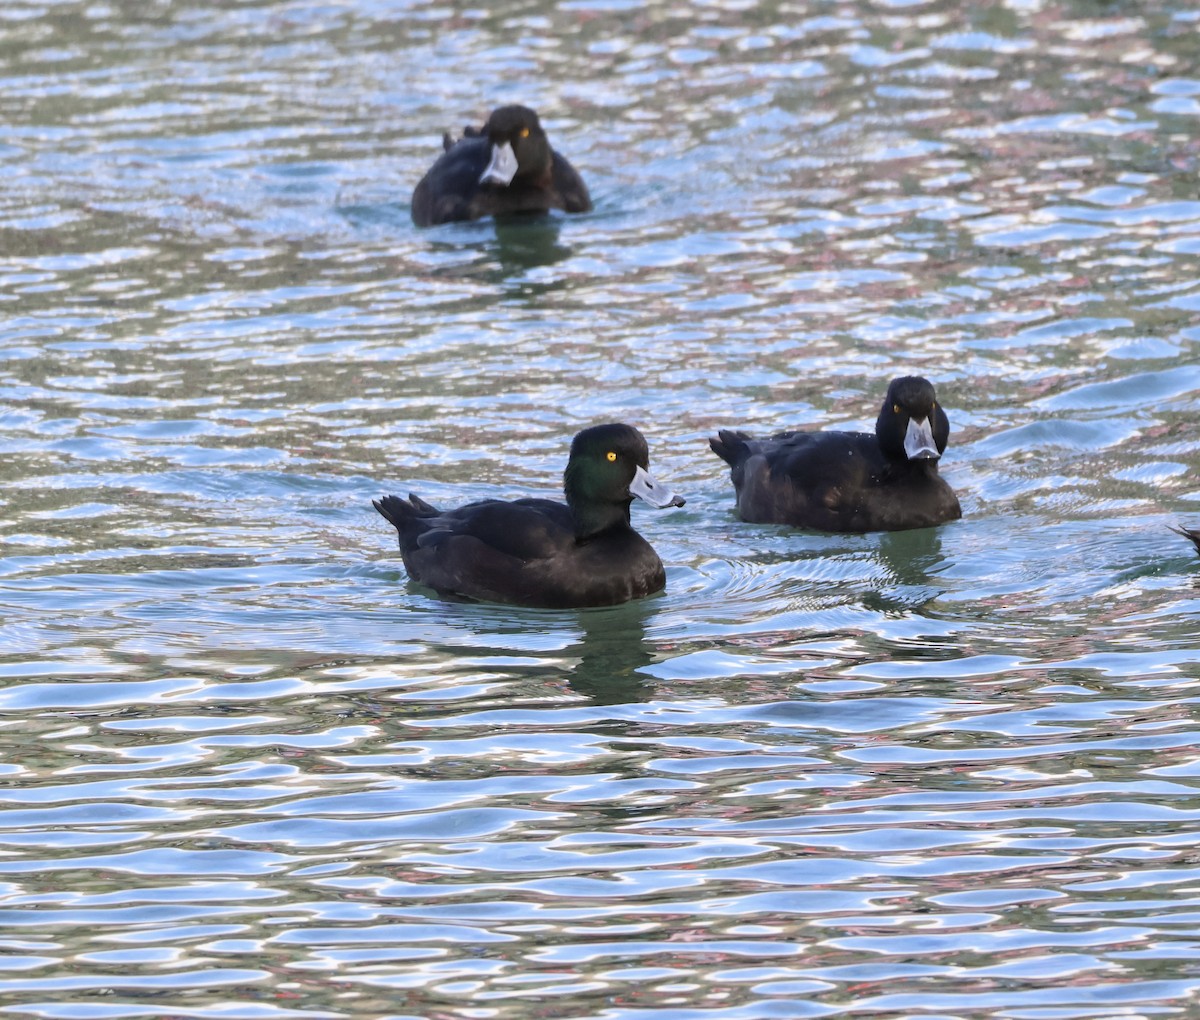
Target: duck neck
{"type": "Point", "coordinates": [913, 468]}
{"type": "Point", "coordinates": [596, 518]}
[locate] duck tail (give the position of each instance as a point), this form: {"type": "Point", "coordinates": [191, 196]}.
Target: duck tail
{"type": "Point", "coordinates": [730, 446]}
{"type": "Point", "coordinates": [1190, 533]}
{"type": "Point", "coordinates": [425, 509]}
{"type": "Point", "coordinates": [407, 516]}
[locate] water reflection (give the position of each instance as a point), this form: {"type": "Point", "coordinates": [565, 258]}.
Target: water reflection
{"type": "Point", "coordinates": [913, 555]}
{"type": "Point", "coordinates": [908, 557]}
{"type": "Point", "coordinates": [600, 653]}
{"type": "Point", "coordinates": [507, 255]}
{"type": "Point", "coordinates": [948, 770]}
{"type": "Point", "coordinates": [611, 654]}
{"type": "Point", "coordinates": [528, 241]}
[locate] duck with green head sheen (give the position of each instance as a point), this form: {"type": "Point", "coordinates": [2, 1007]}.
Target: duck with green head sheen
{"type": "Point", "coordinates": [540, 552]}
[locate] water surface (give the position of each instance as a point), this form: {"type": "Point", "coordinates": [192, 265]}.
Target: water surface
{"type": "Point", "coordinates": [251, 771]}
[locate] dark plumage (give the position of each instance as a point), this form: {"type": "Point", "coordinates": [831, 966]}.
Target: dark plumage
{"type": "Point", "coordinates": [538, 552]}
{"type": "Point", "coordinates": [507, 166]}
{"type": "Point", "coordinates": [1189, 533]}
{"type": "Point", "coordinates": [849, 481]}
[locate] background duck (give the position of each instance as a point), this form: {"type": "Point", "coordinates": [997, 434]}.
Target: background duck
{"type": "Point", "coordinates": [849, 481]}
{"type": "Point", "coordinates": [507, 166]}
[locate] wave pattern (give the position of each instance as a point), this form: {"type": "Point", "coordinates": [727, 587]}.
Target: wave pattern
{"type": "Point", "coordinates": [250, 771]}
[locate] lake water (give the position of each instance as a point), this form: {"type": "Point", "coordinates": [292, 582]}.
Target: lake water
{"type": "Point", "coordinates": [250, 771]}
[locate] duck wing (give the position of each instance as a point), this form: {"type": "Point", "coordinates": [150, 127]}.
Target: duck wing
{"type": "Point", "coordinates": [493, 550]}
{"type": "Point", "coordinates": [445, 192]}
{"type": "Point", "coordinates": [568, 185]}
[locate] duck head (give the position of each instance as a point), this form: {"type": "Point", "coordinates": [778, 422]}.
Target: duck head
{"type": "Point", "coordinates": [519, 147]}
{"type": "Point", "coordinates": [609, 466]}
{"type": "Point", "coordinates": [912, 425]}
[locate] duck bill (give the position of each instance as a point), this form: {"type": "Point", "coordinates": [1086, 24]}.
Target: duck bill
{"type": "Point", "coordinates": [655, 493]}
{"type": "Point", "coordinates": [918, 440]}
{"type": "Point", "coordinates": [503, 167]}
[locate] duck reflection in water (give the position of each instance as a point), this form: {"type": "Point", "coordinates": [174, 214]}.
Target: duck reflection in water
{"type": "Point", "coordinates": [598, 654]}
{"type": "Point", "coordinates": [527, 242]}
{"type": "Point", "coordinates": [612, 654]}
{"type": "Point", "coordinates": [502, 252]}
{"type": "Point", "coordinates": [909, 558]}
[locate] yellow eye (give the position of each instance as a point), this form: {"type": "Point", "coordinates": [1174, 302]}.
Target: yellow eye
{"type": "Point", "coordinates": [895, 409]}
{"type": "Point", "coordinates": [611, 456]}
{"type": "Point", "coordinates": [524, 132]}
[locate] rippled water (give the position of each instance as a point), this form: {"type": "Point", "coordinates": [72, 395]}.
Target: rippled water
{"type": "Point", "coordinates": [249, 771]}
